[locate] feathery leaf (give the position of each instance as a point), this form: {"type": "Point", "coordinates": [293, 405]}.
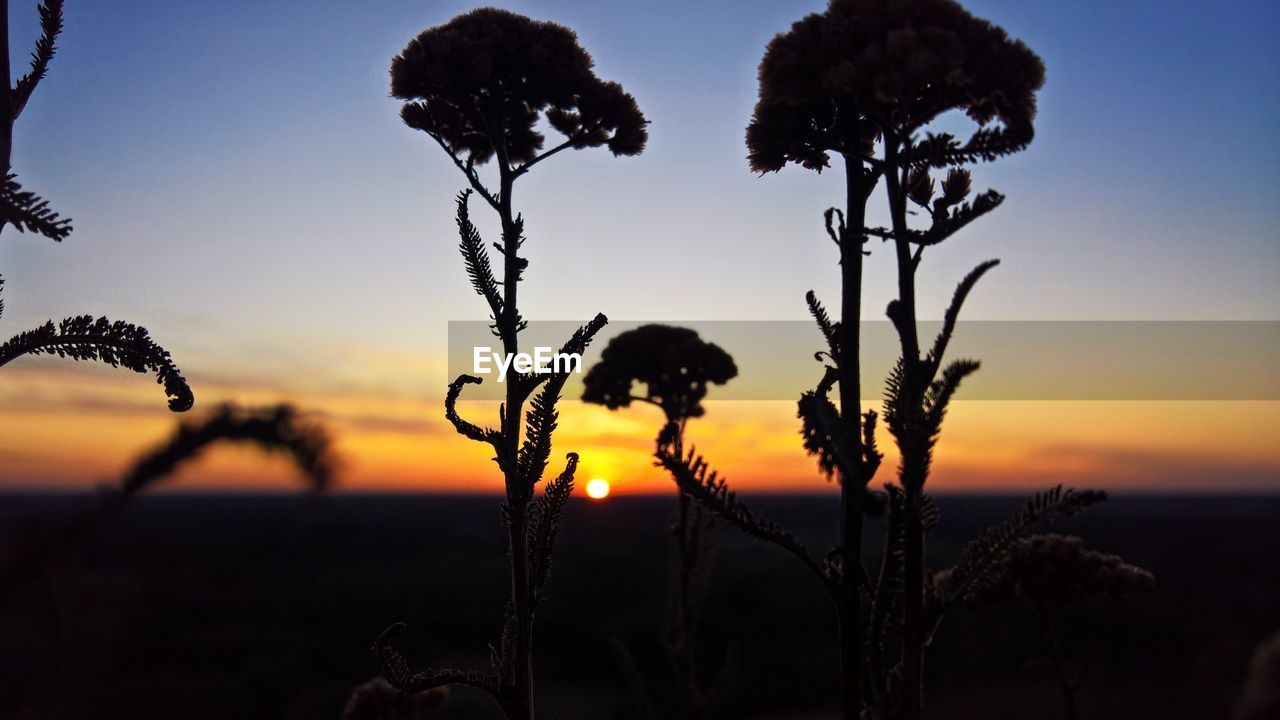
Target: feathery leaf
{"type": "Point", "coordinates": [540, 420]}
{"type": "Point", "coordinates": [395, 668]}
{"type": "Point", "coordinates": [871, 452]}
{"type": "Point", "coordinates": [27, 211]}
{"type": "Point", "coordinates": [118, 344]}
{"type": "Point", "coordinates": [50, 28]}
{"type": "Point", "coordinates": [464, 428]}
{"type": "Point", "coordinates": [504, 660]}
{"type": "Point", "coordinates": [540, 423]}
{"type": "Point", "coordinates": [825, 434]}
{"type": "Point", "coordinates": [942, 150]}
{"type": "Point", "coordinates": [545, 518]}
{"type": "Point", "coordinates": [953, 311]}
{"type": "Point", "coordinates": [896, 403]}
{"type": "Point", "coordinates": [949, 222]}
{"type": "Point", "coordinates": [940, 392]}
{"type": "Point", "coordinates": [476, 258]}
{"type": "Point", "coordinates": [830, 330]}
{"type": "Point", "coordinates": [945, 222]}
{"type": "Point", "coordinates": [696, 479]}
{"type": "Point", "coordinates": [982, 560]}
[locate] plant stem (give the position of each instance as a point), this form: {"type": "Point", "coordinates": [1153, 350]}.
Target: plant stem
{"type": "Point", "coordinates": [913, 612]}
{"type": "Point", "coordinates": [682, 644]}
{"type": "Point", "coordinates": [6, 91]}
{"type": "Point", "coordinates": [683, 631]}
{"type": "Point", "coordinates": [1071, 710]}
{"type": "Point", "coordinates": [851, 485]}
{"type": "Point", "coordinates": [519, 706]}
{"type": "Point", "coordinates": [913, 465]}
{"type": "Point", "coordinates": [902, 247]}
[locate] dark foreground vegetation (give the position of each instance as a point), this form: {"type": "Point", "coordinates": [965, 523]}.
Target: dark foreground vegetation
{"type": "Point", "coordinates": [263, 607]}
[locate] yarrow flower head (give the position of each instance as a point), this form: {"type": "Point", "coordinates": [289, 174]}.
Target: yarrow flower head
{"type": "Point", "coordinates": [1057, 569]}
{"type": "Point", "coordinates": [674, 364]}
{"type": "Point", "coordinates": [480, 83]}
{"type": "Point", "coordinates": [840, 79]}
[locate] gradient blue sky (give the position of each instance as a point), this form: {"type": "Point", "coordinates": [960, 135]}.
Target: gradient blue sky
{"type": "Point", "coordinates": [236, 170]}
{"type": "Point", "coordinates": [241, 183]}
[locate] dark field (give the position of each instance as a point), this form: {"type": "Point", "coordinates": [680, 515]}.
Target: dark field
{"type": "Point", "coordinates": [264, 607]}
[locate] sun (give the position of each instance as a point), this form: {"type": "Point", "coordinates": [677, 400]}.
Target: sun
{"type": "Point", "coordinates": [598, 489]}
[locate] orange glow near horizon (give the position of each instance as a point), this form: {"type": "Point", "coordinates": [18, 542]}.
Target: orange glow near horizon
{"type": "Point", "coordinates": [61, 427]}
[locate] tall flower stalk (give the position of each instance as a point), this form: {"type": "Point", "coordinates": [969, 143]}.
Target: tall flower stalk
{"type": "Point", "coordinates": [861, 81]}
{"type": "Point", "coordinates": [477, 86]}
{"type": "Point", "coordinates": [676, 367]}
{"type": "Point", "coordinates": [931, 58]}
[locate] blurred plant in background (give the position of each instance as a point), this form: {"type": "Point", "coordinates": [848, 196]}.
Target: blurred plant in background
{"type": "Point", "coordinates": [676, 367]}
{"type": "Point", "coordinates": [278, 429]}
{"type": "Point", "coordinates": [478, 86]}
{"type": "Point", "coordinates": [46, 546]}
{"type": "Point", "coordinates": [1053, 577]}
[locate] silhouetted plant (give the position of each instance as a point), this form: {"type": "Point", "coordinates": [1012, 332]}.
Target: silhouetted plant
{"type": "Point", "coordinates": [82, 337]}
{"type": "Point", "coordinates": [935, 58]}
{"type": "Point", "coordinates": [40, 545]}
{"type": "Point", "coordinates": [275, 429]}
{"type": "Point", "coordinates": [676, 366]}
{"type": "Point", "coordinates": [1050, 576]}
{"type": "Point", "coordinates": [862, 80]}
{"type": "Point", "coordinates": [478, 85]}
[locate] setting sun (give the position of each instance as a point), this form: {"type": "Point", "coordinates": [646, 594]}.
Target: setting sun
{"type": "Point", "coordinates": [598, 489]}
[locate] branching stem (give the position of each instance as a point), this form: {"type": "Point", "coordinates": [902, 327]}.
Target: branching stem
{"type": "Point", "coordinates": [904, 319]}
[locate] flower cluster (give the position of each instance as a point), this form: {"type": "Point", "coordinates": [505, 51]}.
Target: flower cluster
{"type": "Point", "coordinates": [839, 79]}
{"type": "Point", "coordinates": [1057, 569]}
{"type": "Point", "coordinates": [480, 83]}
{"type": "Point", "coordinates": [674, 363]}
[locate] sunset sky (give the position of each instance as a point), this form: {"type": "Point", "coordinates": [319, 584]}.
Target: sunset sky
{"type": "Point", "coordinates": [241, 184]}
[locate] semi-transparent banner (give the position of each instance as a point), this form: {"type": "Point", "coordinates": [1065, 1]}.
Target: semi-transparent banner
{"type": "Point", "coordinates": [1021, 360]}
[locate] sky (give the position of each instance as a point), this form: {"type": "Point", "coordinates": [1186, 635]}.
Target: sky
{"type": "Point", "coordinates": [241, 184]}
